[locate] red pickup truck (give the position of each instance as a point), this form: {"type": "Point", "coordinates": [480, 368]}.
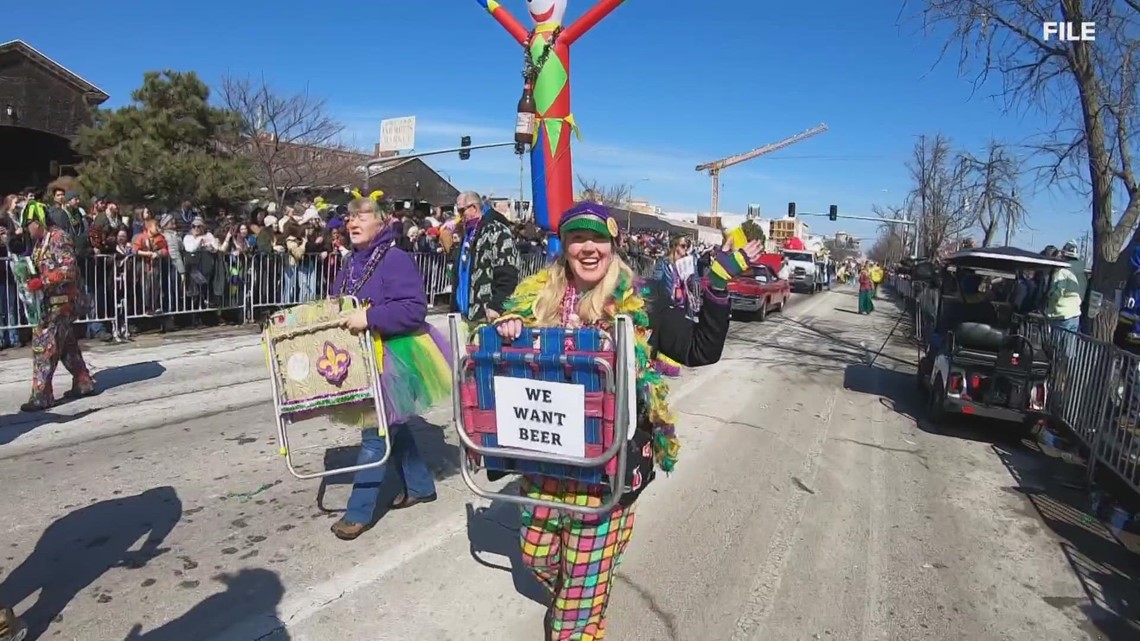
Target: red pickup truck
{"type": "Point", "coordinates": [758, 292]}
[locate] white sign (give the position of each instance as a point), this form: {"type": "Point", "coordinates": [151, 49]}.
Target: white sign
{"type": "Point", "coordinates": [398, 134]}
{"type": "Point", "coordinates": [541, 416]}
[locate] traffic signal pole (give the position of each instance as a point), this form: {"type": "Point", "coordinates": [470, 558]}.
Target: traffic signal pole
{"type": "Point", "coordinates": [833, 214]}
{"type": "Point", "coordinates": [437, 152]}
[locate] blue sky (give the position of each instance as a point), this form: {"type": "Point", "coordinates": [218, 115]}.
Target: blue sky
{"type": "Point", "coordinates": [658, 87]}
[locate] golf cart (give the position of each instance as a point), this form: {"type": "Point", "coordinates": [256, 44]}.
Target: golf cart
{"type": "Point", "coordinates": [976, 358]}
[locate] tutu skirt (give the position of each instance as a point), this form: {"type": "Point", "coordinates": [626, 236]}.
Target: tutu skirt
{"type": "Point", "coordinates": [415, 373]}
{"type": "Point", "coordinates": [415, 376]}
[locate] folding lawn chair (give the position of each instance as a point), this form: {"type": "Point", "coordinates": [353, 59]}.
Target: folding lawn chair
{"type": "Point", "coordinates": [319, 368]}
{"type": "Point", "coordinates": [556, 402]}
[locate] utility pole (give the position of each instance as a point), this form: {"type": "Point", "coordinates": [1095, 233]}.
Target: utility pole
{"type": "Point", "coordinates": [921, 193]}
{"type": "Point", "coordinates": [1009, 220]}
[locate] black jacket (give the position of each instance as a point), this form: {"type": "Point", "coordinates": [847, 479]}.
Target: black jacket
{"type": "Point", "coordinates": [494, 259]}
{"type": "Point", "coordinates": [690, 344]}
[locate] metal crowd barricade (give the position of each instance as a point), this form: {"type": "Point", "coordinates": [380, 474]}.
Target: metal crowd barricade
{"type": "Point", "coordinates": [601, 364]}
{"type": "Point", "coordinates": [124, 289]}
{"type": "Point", "coordinates": [160, 287]}
{"type": "Point", "coordinates": [1094, 392]}
{"type": "Point", "coordinates": [97, 278]}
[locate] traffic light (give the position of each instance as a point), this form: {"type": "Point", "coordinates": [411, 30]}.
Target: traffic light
{"type": "Point", "coordinates": [833, 212]}
{"type": "Point", "coordinates": [465, 153]}
{"type": "Point", "coordinates": [791, 210]}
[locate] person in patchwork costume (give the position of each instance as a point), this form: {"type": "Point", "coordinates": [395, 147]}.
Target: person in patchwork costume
{"type": "Point", "coordinates": [573, 555]}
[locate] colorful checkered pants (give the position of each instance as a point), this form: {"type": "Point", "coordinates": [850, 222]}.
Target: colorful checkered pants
{"type": "Point", "coordinates": [575, 556]}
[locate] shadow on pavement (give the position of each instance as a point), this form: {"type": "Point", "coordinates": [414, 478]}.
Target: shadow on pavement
{"type": "Point", "coordinates": [1054, 492]}
{"type": "Point", "coordinates": [442, 459]}
{"type": "Point", "coordinates": [249, 591]}
{"type": "Point", "coordinates": [14, 428]}
{"type": "Point", "coordinates": [78, 548]}
{"type": "Point", "coordinates": [113, 377]}
{"type": "Point", "coordinates": [495, 530]}
{"type": "Point", "coordinates": [1105, 562]}
{"type": "Point", "coordinates": [20, 423]}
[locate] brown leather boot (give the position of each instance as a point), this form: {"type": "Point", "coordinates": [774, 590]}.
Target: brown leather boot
{"type": "Point", "coordinates": [11, 627]}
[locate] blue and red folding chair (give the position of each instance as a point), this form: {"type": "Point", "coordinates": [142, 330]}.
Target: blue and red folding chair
{"type": "Point", "coordinates": [600, 363]}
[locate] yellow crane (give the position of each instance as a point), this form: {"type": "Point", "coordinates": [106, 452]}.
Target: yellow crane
{"type": "Point", "coordinates": [714, 168]}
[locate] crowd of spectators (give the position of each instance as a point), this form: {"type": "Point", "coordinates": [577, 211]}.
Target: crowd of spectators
{"type": "Point", "coordinates": [165, 268]}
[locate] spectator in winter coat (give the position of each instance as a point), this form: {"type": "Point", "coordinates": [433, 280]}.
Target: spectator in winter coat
{"type": "Point", "coordinates": [486, 272]}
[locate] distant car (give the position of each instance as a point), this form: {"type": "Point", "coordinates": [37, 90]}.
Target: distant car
{"type": "Point", "coordinates": [758, 292]}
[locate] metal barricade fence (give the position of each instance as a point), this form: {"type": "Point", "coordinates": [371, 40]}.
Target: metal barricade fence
{"type": "Point", "coordinates": [97, 278]}
{"type": "Point", "coordinates": [127, 288]}
{"type": "Point", "coordinates": [1094, 392]}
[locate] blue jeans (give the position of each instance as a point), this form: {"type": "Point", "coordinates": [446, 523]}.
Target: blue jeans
{"type": "Point", "coordinates": [414, 473]}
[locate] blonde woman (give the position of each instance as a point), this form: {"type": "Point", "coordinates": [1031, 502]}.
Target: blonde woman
{"type": "Point", "coordinates": [576, 556]}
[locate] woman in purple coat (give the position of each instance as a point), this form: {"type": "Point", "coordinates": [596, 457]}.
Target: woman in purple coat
{"type": "Point", "coordinates": [415, 374]}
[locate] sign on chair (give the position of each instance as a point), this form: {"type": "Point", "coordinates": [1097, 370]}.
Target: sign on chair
{"type": "Point", "coordinates": [543, 416]}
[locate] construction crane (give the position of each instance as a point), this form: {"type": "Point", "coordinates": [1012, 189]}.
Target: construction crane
{"type": "Point", "coordinates": [714, 168]}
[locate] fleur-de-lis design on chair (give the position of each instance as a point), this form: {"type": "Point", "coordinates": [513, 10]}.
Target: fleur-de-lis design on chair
{"type": "Point", "coordinates": [333, 364]}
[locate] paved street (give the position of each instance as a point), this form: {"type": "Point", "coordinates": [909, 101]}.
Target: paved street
{"type": "Point", "coordinates": [811, 502]}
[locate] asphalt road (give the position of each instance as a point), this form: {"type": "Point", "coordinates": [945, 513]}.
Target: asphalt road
{"type": "Point", "coordinates": [809, 504]}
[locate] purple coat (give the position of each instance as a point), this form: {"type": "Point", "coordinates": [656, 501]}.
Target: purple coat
{"type": "Point", "coordinates": [394, 291]}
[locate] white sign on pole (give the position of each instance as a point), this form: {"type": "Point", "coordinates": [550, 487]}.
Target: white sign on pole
{"type": "Point", "coordinates": [541, 416]}
{"type": "Point", "coordinates": [398, 134]}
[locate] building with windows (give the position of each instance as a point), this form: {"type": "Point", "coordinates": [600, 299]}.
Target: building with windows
{"type": "Point", "coordinates": [781, 229]}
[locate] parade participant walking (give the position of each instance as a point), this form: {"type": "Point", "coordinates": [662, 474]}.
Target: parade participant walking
{"type": "Point", "coordinates": [53, 340]}
{"type": "Point", "coordinates": [573, 555]}
{"type": "Point", "coordinates": [415, 372]}
{"type": "Point", "coordinates": [866, 292]}
{"type": "Point", "coordinates": [487, 269]}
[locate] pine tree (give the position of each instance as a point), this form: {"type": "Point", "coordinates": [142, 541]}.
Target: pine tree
{"type": "Point", "coordinates": [168, 145]}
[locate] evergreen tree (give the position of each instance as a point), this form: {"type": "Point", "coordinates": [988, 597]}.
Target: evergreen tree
{"type": "Point", "coordinates": [753, 231]}
{"type": "Point", "coordinates": [167, 146]}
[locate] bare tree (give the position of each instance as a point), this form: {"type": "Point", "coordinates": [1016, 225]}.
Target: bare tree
{"type": "Point", "coordinates": [941, 199]}
{"type": "Point", "coordinates": [616, 195]}
{"type": "Point", "coordinates": [1088, 87]}
{"type": "Point", "coordinates": [993, 190]}
{"type": "Point", "coordinates": [887, 250]}
{"type": "Point", "coordinates": [892, 217]}
{"type": "Point", "coordinates": [292, 140]}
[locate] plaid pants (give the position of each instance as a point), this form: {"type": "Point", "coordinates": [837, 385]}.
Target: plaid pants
{"type": "Point", "coordinates": [575, 556]}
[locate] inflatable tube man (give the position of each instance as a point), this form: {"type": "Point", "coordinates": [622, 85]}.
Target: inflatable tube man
{"type": "Point", "coordinates": [548, 51]}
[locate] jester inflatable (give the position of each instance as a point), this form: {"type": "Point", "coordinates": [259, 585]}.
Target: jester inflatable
{"type": "Point", "coordinates": [548, 53]}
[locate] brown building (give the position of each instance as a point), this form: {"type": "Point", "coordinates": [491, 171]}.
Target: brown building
{"type": "Point", "coordinates": [411, 179]}
{"type": "Point", "coordinates": [43, 105]}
